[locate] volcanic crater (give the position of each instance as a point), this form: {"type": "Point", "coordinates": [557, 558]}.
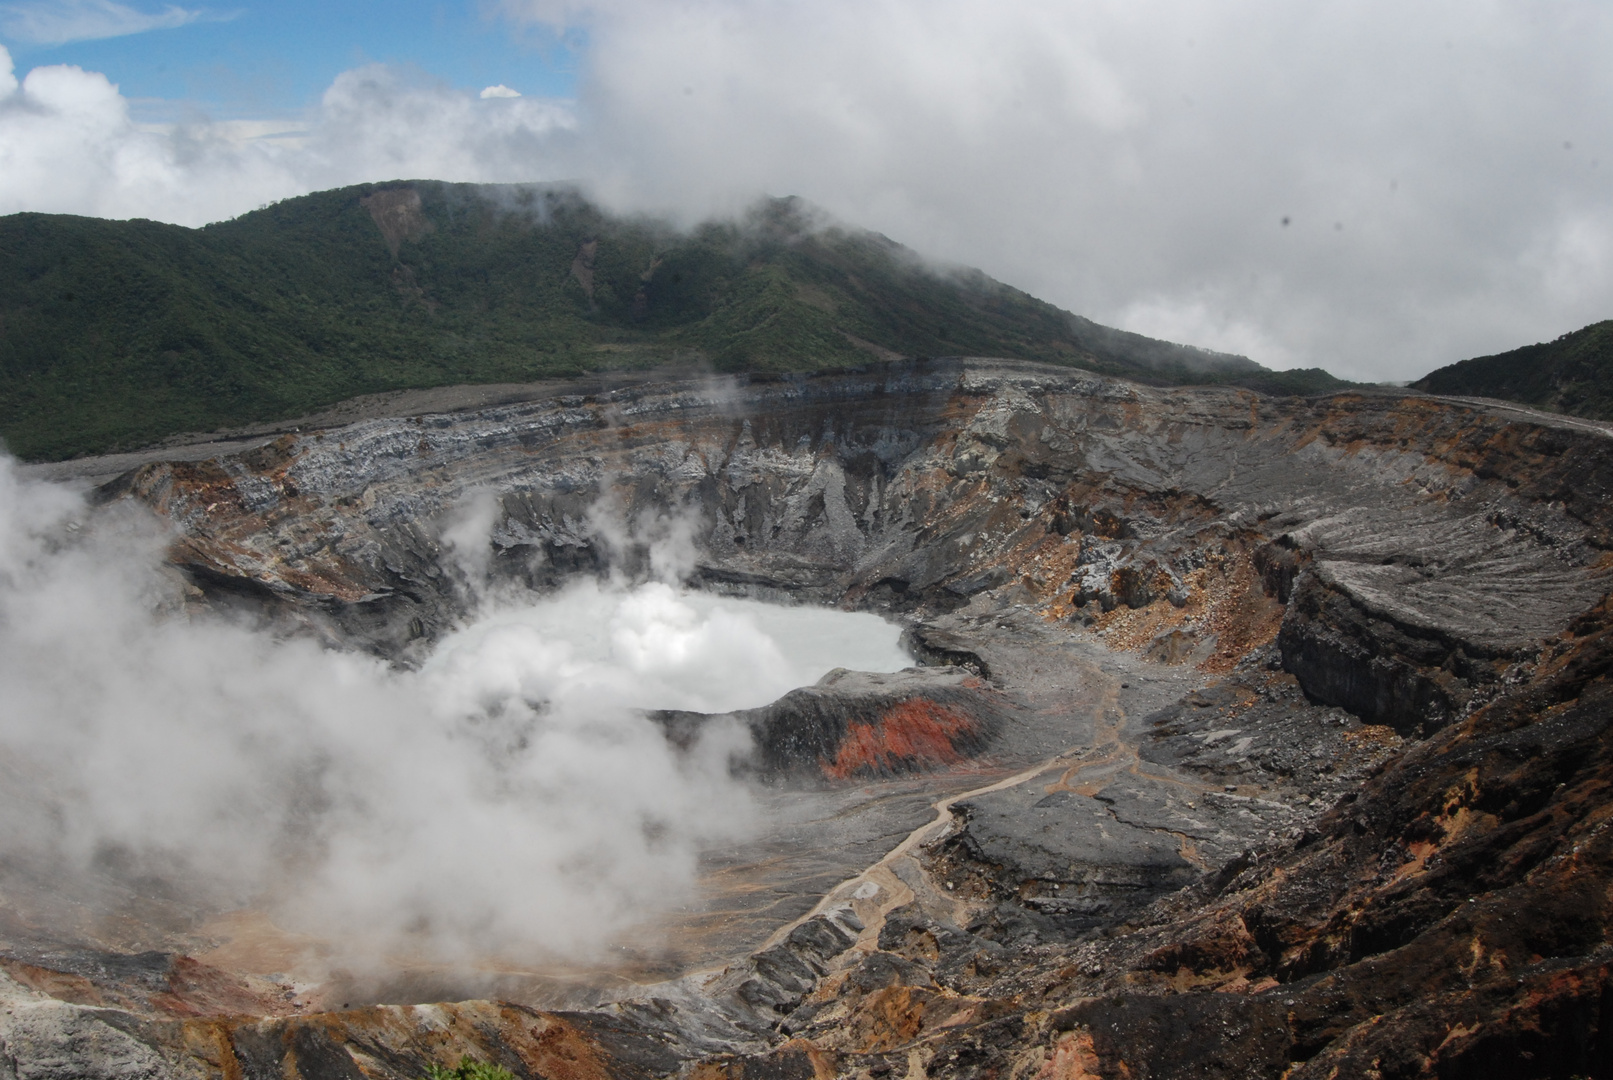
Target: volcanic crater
{"type": "Point", "coordinates": [1247, 736]}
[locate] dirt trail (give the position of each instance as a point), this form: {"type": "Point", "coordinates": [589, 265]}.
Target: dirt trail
{"type": "Point", "coordinates": [892, 890]}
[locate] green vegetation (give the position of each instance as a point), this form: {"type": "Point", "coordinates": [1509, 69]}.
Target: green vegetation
{"type": "Point", "coordinates": [1573, 374]}
{"type": "Point", "coordinates": [114, 334]}
{"type": "Point", "coordinates": [468, 1069]}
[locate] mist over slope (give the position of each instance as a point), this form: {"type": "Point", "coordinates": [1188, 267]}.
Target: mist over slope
{"type": "Point", "coordinates": [1573, 374]}
{"type": "Point", "coordinates": [114, 334]}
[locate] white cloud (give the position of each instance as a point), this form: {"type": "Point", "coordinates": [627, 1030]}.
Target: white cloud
{"type": "Point", "coordinates": [69, 145]}
{"type": "Point", "coordinates": [1120, 159]}
{"type": "Point", "coordinates": [1204, 321]}
{"type": "Point", "coordinates": [57, 22]}
{"type": "Point", "coordinates": [1127, 161]}
{"type": "Point", "coordinates": [377, 123]}
{"type": "Point", "coordinates": [499, 91]}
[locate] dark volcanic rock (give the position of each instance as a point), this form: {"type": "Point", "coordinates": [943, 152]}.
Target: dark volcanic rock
{"type": "Point", "coordinates": [1089, 864]}
{"type": "Point", "coordinates": [1415, 679]}
{"type": "Point", "coordinates": [1192, 1037]}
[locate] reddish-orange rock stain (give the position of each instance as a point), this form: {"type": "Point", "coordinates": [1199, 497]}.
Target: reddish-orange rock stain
{"type": "Point", "coordinates": [912, 732]}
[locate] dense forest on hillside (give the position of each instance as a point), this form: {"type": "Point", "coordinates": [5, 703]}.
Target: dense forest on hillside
{"type": "Point", "coordinates": [116, 333]}
{"type": "Point", "coordinates": [1573, 374]}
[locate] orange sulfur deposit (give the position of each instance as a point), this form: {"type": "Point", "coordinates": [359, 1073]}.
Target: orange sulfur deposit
{"type": "Point", "coordinates": [911, 733]}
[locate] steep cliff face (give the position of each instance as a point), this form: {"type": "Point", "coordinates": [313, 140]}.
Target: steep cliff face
{"type": "Point", "coordinates": [1293, 700]}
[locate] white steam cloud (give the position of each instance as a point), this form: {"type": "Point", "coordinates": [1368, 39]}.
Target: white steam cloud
{"type": "Point", "coordinates": [506, 798]}
{"type": "Point", "coordinates": [1371, 187]}
{"type": "Point", "coordinates": [465, 537]}
{"type": "Point", "coordinates": [653, 646]}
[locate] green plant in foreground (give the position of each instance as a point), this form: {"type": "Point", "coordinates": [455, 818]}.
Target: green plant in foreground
{"type": "Point", "coordinates": [469, 1069]}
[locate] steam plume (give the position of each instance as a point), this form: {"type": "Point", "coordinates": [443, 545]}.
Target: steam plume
{"type": "Point", "coordinates": [483, 803]}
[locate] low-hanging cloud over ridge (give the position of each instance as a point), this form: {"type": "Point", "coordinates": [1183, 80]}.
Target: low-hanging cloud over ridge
{"type": "Point", "coordinates": [1367, 187]}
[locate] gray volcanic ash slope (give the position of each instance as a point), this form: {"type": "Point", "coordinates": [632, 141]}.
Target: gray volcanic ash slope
{"type": "Point", "coordinates": [1266, 737]}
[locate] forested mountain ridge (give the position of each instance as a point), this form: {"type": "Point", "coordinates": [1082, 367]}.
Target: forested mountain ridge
{"type": "Point", "coordinates": [114, 334]}
{"type": "Point", "coordinates": [1573, 374]}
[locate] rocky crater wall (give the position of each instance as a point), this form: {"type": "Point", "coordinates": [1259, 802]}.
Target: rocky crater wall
{"type": "Point", "coordinates": [1410, 550]}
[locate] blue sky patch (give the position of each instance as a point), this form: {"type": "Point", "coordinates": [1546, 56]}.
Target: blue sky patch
{"type": "Point", "coordinates": [261, 60]}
